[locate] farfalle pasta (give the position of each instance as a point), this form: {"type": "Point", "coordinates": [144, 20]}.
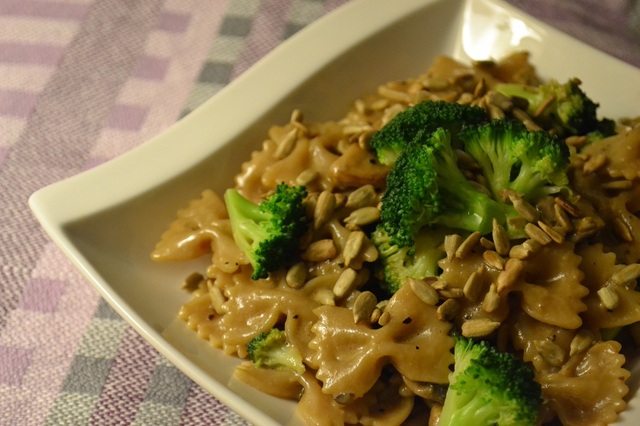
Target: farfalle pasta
{"type": "Point", "coordinates": [563, 297]}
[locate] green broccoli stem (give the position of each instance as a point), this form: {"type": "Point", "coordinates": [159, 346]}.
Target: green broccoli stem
{"type": "Point", "coordinates": [470, 409]}
{"type": "Point", "coordinates": [470, 210]}
{"type": "Point", "coordinates": [247, 208]}
{"type": "Point", "coordinates": [467, 207]}
{"type": "Point", "coordinates": [246, 218]}
{"type": "Point", "coordinates": [268, 233]}
{"type": "Point", "coordinates": [531, 182]}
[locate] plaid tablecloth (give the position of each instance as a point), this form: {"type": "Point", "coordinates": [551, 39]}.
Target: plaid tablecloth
{"type": "Point", "coordinates": [81, 82]}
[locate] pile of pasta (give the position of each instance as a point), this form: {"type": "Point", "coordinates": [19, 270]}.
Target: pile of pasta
{"type": "Point", "coordinates": [570, 310]}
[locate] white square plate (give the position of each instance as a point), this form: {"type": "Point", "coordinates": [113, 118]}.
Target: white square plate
{"type": "Point", "coordinates": [107, 220]}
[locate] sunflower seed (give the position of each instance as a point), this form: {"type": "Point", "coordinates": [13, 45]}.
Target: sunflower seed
{"type": "Point", "coordinates": [479, 327]}
{"type": "Point", "coordinates": [306, 177]}
{"type": "Point", "coordinates": [491, 300]}
{"type": "Point", "coordinates": [500, 238]}
{"type": "Point", "coordinates": [473, 286]}
{"type": "Point", "coordinates": [495, 112]}
{"type": "Point", "coordinates": [622, 231]}
{"type": "Point", "coordinates": [628, 274]}
{"type": "Point", "coordinates": [296, 275]}
{"type": "Point", "coordinates": [532, 245]}
{"type": "Point", "coordinates": [363, 216]}
{"type": "Point", "coordinates": [451, 293]}
{"type": "Point", "coordinates": [520, 251]}
{"type": "Point", "coordinates": [352, 246]}
{"type": "Point", "coordinates": [493, 259]}
{"type": "Point", "coordinates": [364, 306]}
{"type": "Point", "coordinates": [382, 304]}
{"type": "Point", "coordinates": [580, 342]}
{"type": "Point", "coordinates": [364, 196]}
{"type": "Point", "coordinates": [286, 144]}
{"type": "Point", "coordinates": [468, 245]}
{"type": "Point", "coordinates": [324, 209]}
{"type": "Point", "coordinates": [586, 225]}
{"type": "Point", "coordinates": [567, 206]}
{"type": "Point", "coordinates": [375, 315]}
{"type": "Point", "coordinates": [562, 218]}
{"type": "Point", "coordinates": [451, 244]}
{"type": "Point", "coordinates": [524, 209]}
{"type": "Point", "coordinates": [551, 232]}
{"type": "Point", "coordinates": [346, 283]}
{"type": "Point", "coordinates": [424, 291]}
{"type": "Point", "coordinates": [394, 95]}
{"type": "Point", "coordinates": [534, 232]}
{"type": "Point", "coordinates": [384, 318]}
{"type": "Point", "coordinates": [440, 284]}
{"type": "Point", "coordinates": [320, 250]}
{"type": "Point", "coordinates": [609, 298]}
{"type": "Point", "coordinates": [448, 310]}
{"type": "Point", "coordinates": [487, 244]}
{"type": "Point", "coordinates": [512, 271]}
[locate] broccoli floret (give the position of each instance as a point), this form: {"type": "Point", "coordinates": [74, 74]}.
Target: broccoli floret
{"type": "Point", "coordinates": [533, 163]}
{"type": "Point", "coordinates": [563, 108]}
{"type": "Point", "coordinates": [396, 264]}
{"type": "Point", "coordinates": [426, 187]}
{"type": "Point", "coordinates": [392, 139]}
{"type": "Point", "coordinates": [272, 350]}
{"type": "Point", "coordinates": [488, 387]}
{"type": "Point", "coordinates": [268, 233]}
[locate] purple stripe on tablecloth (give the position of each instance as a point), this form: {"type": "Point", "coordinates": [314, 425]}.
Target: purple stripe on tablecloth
{"type": "Point", "coordinates": [151, 68]}
{"type": "Point", "coordinates": [127, 117]}
{"type": "Point", "coordinates": [42, 295]}
{"type": "Point", "coordinates": [44, 9]}
{"type": "Point", "coordinates": [64, 126]}
{"type": "Point", "coordinates": [266, 33]}
{"type": "Point", "coordinates": [16, 103]}
{"type": "Point", "coordinates": [127, 382]}
{"type": "Point", "coordinates": [15, 362]}
{"type": "Point", "coordinates": [28, 53]}
{"type": "Point", "coordinates": [174, 22]}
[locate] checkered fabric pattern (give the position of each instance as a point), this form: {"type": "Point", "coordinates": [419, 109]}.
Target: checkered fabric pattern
{"type": "Point", "coordinates": [81, 82]}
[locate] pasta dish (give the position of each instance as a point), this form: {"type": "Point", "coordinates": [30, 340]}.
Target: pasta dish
{"type": "Point", "coordinates": [547, 273]}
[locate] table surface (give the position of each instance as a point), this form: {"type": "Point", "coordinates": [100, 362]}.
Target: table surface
{"type": "Point", "coordinates": [82, 82]}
